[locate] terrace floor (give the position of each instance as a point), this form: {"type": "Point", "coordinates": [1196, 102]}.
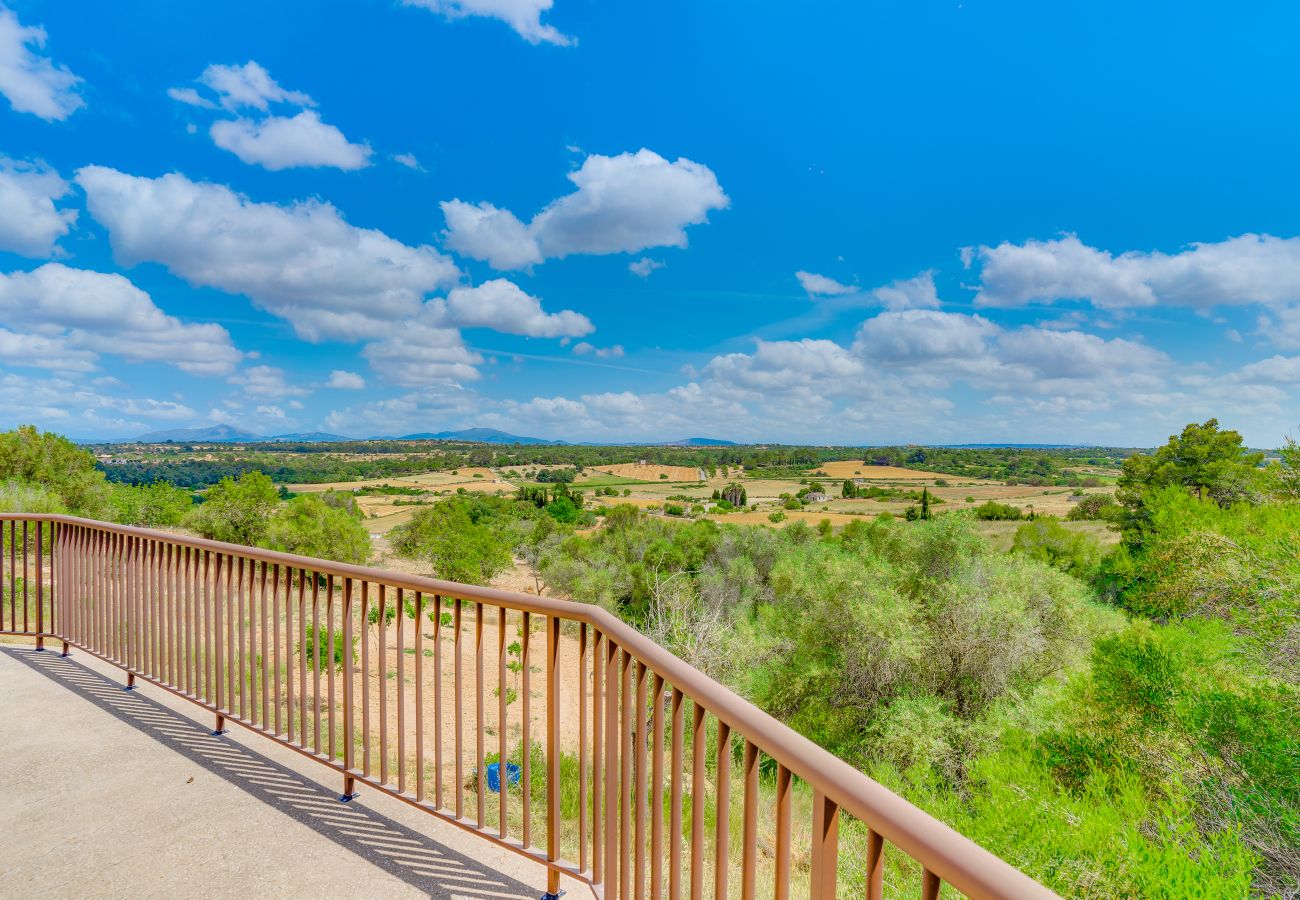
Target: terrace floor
{"type": "Point", "coordinates": [113, 793]}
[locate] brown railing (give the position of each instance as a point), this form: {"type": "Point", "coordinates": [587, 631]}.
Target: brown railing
{"type": "Point", "coordinates": [617, 763]}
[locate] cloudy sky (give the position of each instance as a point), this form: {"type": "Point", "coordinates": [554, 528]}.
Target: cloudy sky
{"type": "Point", "coordinates": [836, 222]}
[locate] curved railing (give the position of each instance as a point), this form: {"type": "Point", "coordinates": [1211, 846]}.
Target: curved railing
{"type": "Point", "coordinates": [381, 676]}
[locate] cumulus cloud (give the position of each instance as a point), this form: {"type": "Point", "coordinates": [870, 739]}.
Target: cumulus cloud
{"type": "Point", "coordinates": [241, 87]}
{"type": "Point", "coordinates": [105, 313]}
{"type": "Point", "coordinates": [623, 204]}
{"type": "Point", "coordinates": [644, 266]}
{"type": "Point", "coordinates": [266, 381]}
{"type": "Point", "coordinates": [274, 142]}
{"type": "Point", "coordinates": [502, 306]}
{"type": "Point", "coordinates": [1247, 269]}
{"type": "Point", "coordinates": [423, 354]}
{"type": "Point", "coordinates": [1274, 370]}
{"type": "Point", "coordinates": [821, 285]}
{"type": "Point", "coordinates": [909, 293]}
{"type": "Point", "coordinates": [31, 82]}
{"type": "Point", "coordinates": [79, 409]}
{"type": "Point", "coordinates": [40, 352]}
{"type": "Point", "coordinates": [434, 407]}
{"type": "Point", "coordinates": [301, 262]}
{"type": "Point", "coordinates": [342, 380]}
{"type": "Point", "coordinates": [408, 160]}
{"type": "Point", "coordinates": [922, 336]}
{"type": "Point", "coordinates": [781, 366]}
{"type": "Point", "coordinates": [583, 348]}
{"type": "Point", "coordinates": [524, 16]}
{"type": "Point", "coordinates": [29, 222]}
{"type": "Point", "coordinates": [277, 142]}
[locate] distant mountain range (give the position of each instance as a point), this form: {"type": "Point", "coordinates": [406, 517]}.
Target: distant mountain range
{"type": "Point", "coordinates": [229, 434]}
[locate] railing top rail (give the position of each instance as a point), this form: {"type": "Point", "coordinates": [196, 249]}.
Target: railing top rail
{"type": "Point", "coordinates": [957, 860]}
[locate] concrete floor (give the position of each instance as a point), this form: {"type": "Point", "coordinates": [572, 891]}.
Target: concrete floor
{"type": "Point", "coordinates": [110, 793]}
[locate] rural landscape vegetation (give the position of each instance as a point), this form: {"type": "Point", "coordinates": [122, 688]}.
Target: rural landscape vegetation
{"type": "Point", "coordinates": [1086, 659]}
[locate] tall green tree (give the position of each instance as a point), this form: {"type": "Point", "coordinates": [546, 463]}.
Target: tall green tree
{"type": "Point", "coordinates": [236, 510]}
{"type": "Point", "coordinates": [452, 543]}
{"type": "Point", "coordinates": [1207, 461]}
{"type": "Point", "coordinates": [308, 525]}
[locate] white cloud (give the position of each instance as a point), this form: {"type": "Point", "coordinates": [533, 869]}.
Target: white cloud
{"type": "Point", "coordinates": [524, 16]}
{"type": "Point", "coordinates": [644, 266]}
{"type": "Point", "coordinates": [909, 293]}
{"type": "Point", "coordinates": [1247, 269]}
{"type": "Point", "coordinates": [408, 160]}
{"type": "Point", "coordinates": [423, 354]}
{"type": "Point", "coordinates": [583, 348]}
{"type": "Point", "coordinates": [921, 336]}
{"type": "Point", "coordinates": [495, 235]}
{"type": "Point", "coordinates": [40, 352]}
{"type": "Point", "coordinates": [781, 366]}
{"type": "Point", "coordinates": [1074, 354]}
{"type": "Point", "coordinates": [61, 401]}
{"type": "Point", "coordinates": [822, 286]}
{"type": "Point", "coordinates": [272, 141]}
{"type": "Point", "coordinates": [32, 82]}
{"type": "Point", "coordinates": [1274, 370]}
{"type": "Point", "coordinates": [343, 380]}
{"type": "Point", "coordinates": [248, 86]}
{"type": "Point", "coordinates": [623, 204]}
{"type": "Point", "coordinates": [302, 262]}
{"type": "Point", "coordinates": [29, 222]}
{"type": "Point", "coordinates": [277, 143]}
{"type": "Point", "coordinates": [106, 313]}
{"type": "Point", "coordinates": [266, 381]}
{"type": "Point", "coordinates": [434, 407]}
{"type": "Point", "coordinates": [502, 306]}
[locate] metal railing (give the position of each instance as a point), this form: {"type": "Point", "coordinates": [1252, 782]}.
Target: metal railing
{"type": "Point", "coordinates": [615, 762]}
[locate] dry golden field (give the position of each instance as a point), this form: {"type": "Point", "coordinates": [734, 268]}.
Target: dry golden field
{"type": "Point", "coordinates": [652, 472]}
{"type": "Point", "coordinates": [851, 468]}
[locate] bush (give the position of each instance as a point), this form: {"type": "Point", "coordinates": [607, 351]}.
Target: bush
{"type": "Point", "coordinates": [326, 642]}
{"type": "Point", "coordinates": [775, 517]}
{"type": "Point", "coordinates": [1047, 540]}
{"type": "Point", "coordinates": [674, 509]}
{"type": "Point", "coordinates": [1095, 506]}
{"type": "Point", "coordinates": [457, 546]}
{"type": "Point", "coordinates": [61, 467]}
{"type": "Point", "coordinates": [309, 526]}
{"type": "Point", "coordinates": [21, 496]}
{"type": "Point", "coordinates": [236, 511]}
{"type": "Point", "coordinates": [148, 505]}
{"type": "Point", "coordinates": [991, 511]}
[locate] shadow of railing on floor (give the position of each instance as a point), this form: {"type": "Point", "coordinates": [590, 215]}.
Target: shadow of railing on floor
{"type": "Point", "coordinates": [403, 852]}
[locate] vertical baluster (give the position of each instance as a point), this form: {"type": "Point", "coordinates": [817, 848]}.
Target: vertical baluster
{"type": "Point", "coordinates": [699, 737]}
{"type": "Point", "coordinates": [722, 820]}
{"type": "Point", "coordinates": [825, 847]}
{"type": "Point", "coordinates": [275, 644]}
{"type": "Point", "coordinates": [327, 648]}
{"type": "Point", "coordinates": [875, 865]}
{"type": "Point", "coordinates": [749, 837]}
{"type": "Point", "coordinates": [597, 757]}
{"type": "Point", "coordinates": [383, 683]}
{"type": "Point", "coordinates": [553, 752]}
{"type": "Point", "coordinates": [675, 801]}
{"type": "Point", "coordinates": [266, 656]}
{"type": "Point", "coordinates": [526, 730]}
{"type": "Point", "coordinates": [437, 698]}
{"type": "Point", "coordinates": [209, 622]}
{"type": "Point", "coordinates": [611, 770]}
{"type": "Point", "coordinates": [502, 766]}
{"type": "Point", "coordinates": [640, 774]}
{"type": "Point", "coordinates": [365, 678]}
{"type": "Point", "coordinates": [419, 695]}
{"type": "Point", "coordinates": [625, 778]}
{"type": "Point", "coordinates": [458, 709]}
{"type": "Point", "coordinates": [582, 747]}
{"type": "Point", "coordinates": [244, 711]}
{"type": "Point", "coordinates": [40, 581]}
{"type": "Point", "coordinates": [26, 577]}
{"type": "Point", "coordinates": [302, 658]}
{"type": "Point", "coordinates": [400, 605]}
{"type": "Point", "coordinates": [315, 662]}
{"type": "Point", "coordinates": [929, 885]}
{"type": "Point", "coordinates": [288, 650]}
{"type": "Point", "coordinates": [657, 790]}
{"type": "Point", "coordinates": [348, 688]}
{"type": "Point", "coordinates": [480, 776]}
{"type": "Point", "coordinates": [783, 787]}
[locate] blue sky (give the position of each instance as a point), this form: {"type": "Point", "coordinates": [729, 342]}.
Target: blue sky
{"type": "Point", "coordinates": [838, 223]}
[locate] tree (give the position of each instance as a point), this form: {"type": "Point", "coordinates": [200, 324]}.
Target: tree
{"type": "Point", "coordinates": [51, 460]}
{"type": "Point", "coordinates": [1287, 472]}
{"type": "Point", "coordinates": [455, 546]}
{"type": "Point", "coordinates": [735, 495]}
{"type": "Point", "coordinates": [1203, 460]}
{"type": "Point", "coordinates": [849, 490]}
{"type": "Point", "coordinates": [309, 526]}
{"type": "Point", "coordinates": [236, 511]}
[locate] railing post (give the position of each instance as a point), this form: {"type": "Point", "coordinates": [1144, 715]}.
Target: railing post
{"type": "Point", "coordinates": [40, 584]}
{"type": "Point", "coordinates": [552, 754]}
{"type": "Point", "coordinates": [349, 782]}
{"type": "Point", "coordinates": [825, 846]}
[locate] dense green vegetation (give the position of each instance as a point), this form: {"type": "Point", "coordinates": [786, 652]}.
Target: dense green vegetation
{"type": "Point", "coordinates": [1118, 725]}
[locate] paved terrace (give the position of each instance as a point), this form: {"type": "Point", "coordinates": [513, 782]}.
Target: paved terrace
{"type": "Point", "coordinates": [112, 793]}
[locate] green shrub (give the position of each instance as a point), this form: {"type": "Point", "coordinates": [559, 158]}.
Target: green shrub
{"type": "Point", "coordinates": [236, 511]}
{"type": "Point", "coordinates": [155, 505]}
{"type": "Point", "coordinates": [309, 526]}
{"type": "Point", "coordinates": [1047, 540]}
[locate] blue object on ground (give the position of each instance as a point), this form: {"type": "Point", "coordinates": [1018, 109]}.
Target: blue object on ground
{"type": "Point", "coordinates": [494, 776]}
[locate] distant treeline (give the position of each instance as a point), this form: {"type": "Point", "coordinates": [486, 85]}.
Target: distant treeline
{"type": "Point", "coordinates": [323, 462]}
